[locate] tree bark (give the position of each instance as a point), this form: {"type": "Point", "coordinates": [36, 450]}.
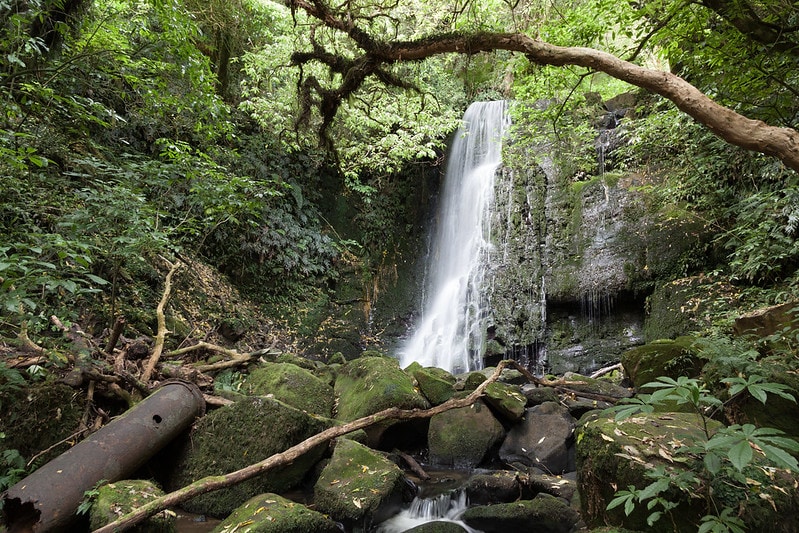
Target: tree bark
{"type": "Point", "coordinates": [736, 129]}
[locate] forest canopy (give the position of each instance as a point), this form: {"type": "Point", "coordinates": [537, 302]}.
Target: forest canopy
{"type": "Point", "coordinates": [133, 129]}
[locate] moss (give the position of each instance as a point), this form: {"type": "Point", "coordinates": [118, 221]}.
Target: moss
{"type": "Point", "coordinates": [506, 399]}
{"type": "Point", "coordinates": [613, 455]}
{"type": "Point", "coordinates": [687, 305]}
{"type": "Point", "coordinates": [116, 499]}
{"type": "Point", "coordinates": [671, 358]}
{"type": "Point", "coordinates": [357, 482]}
{"type": "Point", "coordinates": [239, 435]}
{"type": "Point", "coordinates": [436, 384]}
{"type": "Point", "coordinates": [271, 513]}
{"type": "Point", "coordinates": [38, 417]}
{"type": "Point", "coordinates": [542, 513]}
{"type": "Point", "coordinates": [292, 385]}
{"type": "Point", "coordinates": [370, 384]}
{"type": "Point", "coordinates": [473, 380]}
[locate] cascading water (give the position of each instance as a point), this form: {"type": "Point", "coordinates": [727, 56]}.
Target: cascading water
{"type": "Point", "coordinates": [451, 334]}
{"type": "Point", "coordinates": [443, 508]}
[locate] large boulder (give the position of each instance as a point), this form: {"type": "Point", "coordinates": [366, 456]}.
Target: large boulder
{"type": "Point", "coordinates": [359, 486]}
{"type": "Point", "coordinates": [613, 455]}
{"type": "Point", "coordinates": [116, 499]}
{"type": "Point", "coordinates": [666, 357]}
{"type": "Point", "coordinates": [293, 385]}
{"type": "Point", "coordinates": [768, 321]}
{"type": "Point", "coordinates": [684, 305]}
{"type": "Point", "coordinates": [270, 513]}
{"type": "Point", "coordinates": [507, 400]}
{"type": "Point", "coordinates": [544, 440]}
{"type": "Point", "coordinates": [436, 384]}
{"type": "Point", "coordinates": [239, 435]}
{"type": "Point", "coordinates": [462, 437]}
{"type": "Point", "coordinates": [367, 385]}
{"type": "Point", "coordinates": [542, 514]}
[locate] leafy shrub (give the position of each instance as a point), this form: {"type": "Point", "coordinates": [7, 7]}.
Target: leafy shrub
{"type": "Point", "coordinates": [726, 454]}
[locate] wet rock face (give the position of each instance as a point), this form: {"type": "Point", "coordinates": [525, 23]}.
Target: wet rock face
{"type": "Point", "coordinates": [544, 440]}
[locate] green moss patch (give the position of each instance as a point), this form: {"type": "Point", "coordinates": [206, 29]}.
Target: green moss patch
{"type": "Point", "coordinates": [270, 513]}
{"type": "Point", "coordinates": [116, 499]}
{"type": "Point", "coordinates": [436, 384]}
{"type": "Point", "coordinates": [239, 435]}
{"type": "Point", "coordinates": [367, 385]}
{"type": "Point", "coordinates": [293, 385]}
{"type": "Point", "coordinates": [358, 483]}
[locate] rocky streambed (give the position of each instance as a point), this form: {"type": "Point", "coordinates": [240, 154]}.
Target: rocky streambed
{"type": "Point", "coordinates": [529, 454]}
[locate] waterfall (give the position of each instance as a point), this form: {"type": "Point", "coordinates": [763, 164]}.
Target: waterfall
{"type": "Point", "coordinates": [443, 508]}
{"type": "Point", "coordinates": [451, 333]}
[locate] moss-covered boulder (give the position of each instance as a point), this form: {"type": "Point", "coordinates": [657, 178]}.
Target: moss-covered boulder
{"type": "Point", "coordinates": [507, 400]}
{"type": "Point", "coordinates": [270, 513]}
{"type": "Point", "coordinates": [239, 435]}
{"type": "Point", "coordinates": [359, 486]}
{"type": "Point", "coordinates": [436, 384]}
{"type": "Point", "coordinates": [666, 357]}
{"type": "Point", "coordinates": [461, 438]}
{"type": "Point", "coordinates": [292, 385]}
{"type": "Point", "coordinates": [116, 499]}
{"type": "Point", "coordinates": [35, 418]}
{"type": "Point", "coordinates": [542, 514]}
{"type": "Point", "coordinates": [593, 386]}
{"type": "Point", "coordinates": [684, 305]}
{"type": "Point", "coordinates": [613, 455]}
{"type": "Point", "coordinates": [470, 381]}
{"type": "Point", "coordinates": [367, 385]}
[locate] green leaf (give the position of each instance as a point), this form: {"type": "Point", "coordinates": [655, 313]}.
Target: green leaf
{"type": "Point", "coordinates": [780, 457]}
{"type": "Point", "coordinates": [712, 463]}
{"type": "Point", "coordinates": [740, 455]}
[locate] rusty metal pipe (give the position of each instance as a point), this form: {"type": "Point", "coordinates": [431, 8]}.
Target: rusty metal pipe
{"type": "Point", "coordinates": [47, 499]}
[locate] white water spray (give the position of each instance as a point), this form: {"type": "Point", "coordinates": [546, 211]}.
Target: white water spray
{"type": "Point", "coordinates": [443, 508]}
{"type": "Point", "coordinates": [451, 334]}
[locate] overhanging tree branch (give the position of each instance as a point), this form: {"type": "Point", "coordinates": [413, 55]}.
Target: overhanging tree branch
{"type": "Point", "coordinates": [734, 128]}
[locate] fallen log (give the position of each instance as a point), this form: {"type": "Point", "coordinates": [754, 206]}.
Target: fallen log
{"type": "Point", "coordinates": [211, 483]}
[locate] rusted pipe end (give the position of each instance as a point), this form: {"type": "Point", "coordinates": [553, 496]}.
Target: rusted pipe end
{"type": "Point", "coordinates": [47, 499]}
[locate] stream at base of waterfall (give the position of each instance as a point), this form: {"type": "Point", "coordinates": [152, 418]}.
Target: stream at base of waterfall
{"type": "Point", "coordinates": [451, 331]}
